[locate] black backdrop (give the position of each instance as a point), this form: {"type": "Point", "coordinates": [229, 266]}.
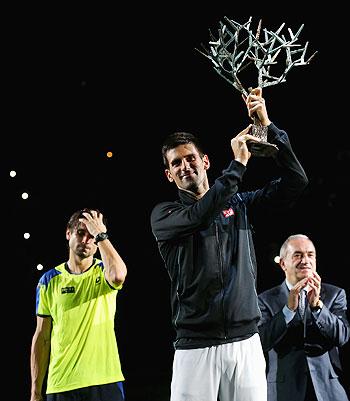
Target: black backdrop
{"type": "Point", "coordinates": [77, 83]}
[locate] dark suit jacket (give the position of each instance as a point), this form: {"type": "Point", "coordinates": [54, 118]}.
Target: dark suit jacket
{"type": "Point", "coordinates": [294, 349]}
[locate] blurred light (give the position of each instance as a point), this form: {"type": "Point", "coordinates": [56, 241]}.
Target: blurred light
{"type": "Point", "coordinates": [26, 235]}
{"type": "Point", "coordinates": [39, 266]}
{"type": "Point", "coordinates": [109, 154]}
{"type": "Point", "coordinates": [25, 195]}
{"type": "Point", "coordinates": [276, 259]}
{"type": "Point", "coordinates": [12, 173]}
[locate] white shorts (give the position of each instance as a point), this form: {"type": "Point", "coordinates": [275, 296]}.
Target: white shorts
{"type": "Point", "coordinates": [228, 372]}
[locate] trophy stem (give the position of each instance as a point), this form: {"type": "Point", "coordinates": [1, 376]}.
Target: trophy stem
{"type": "Point", "coordinates": [261, 148]}
{"type": "Point", "coordinates": [259, 130]}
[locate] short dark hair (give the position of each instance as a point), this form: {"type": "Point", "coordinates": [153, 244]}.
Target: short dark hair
{"type": "Point", "coordinates": [73, 221]}
{"type": "Point", "coordinates": [179, 138]}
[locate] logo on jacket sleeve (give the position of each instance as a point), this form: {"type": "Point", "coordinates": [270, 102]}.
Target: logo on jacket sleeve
{"type": "Point", "coordinates": [229, 212]}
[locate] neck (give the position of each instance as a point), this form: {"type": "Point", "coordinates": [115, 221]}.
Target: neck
{"type": "Point", "coordinates": [198, 192]}
{"type": "Point", "coordinates": [78, 266]}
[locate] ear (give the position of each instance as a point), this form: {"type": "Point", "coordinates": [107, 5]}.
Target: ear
{"type": "Point", "coordinates": [282, 264]}
{"type": "Point", "coordinates": [206, 162]}
{"type": "Point", "coordinates": [68, 234]}
{"type": "Point", "coordinates": [168, 175]}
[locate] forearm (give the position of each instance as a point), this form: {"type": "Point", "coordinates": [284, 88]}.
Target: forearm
{"type": "Point", "coordinates": [333, 326]}
{"type": "Point", "coordinates": [286, 158]}
{"type": "Point", "coordinates": [115, 268]}
{"type": "Point", "coordinates": [39, 362]}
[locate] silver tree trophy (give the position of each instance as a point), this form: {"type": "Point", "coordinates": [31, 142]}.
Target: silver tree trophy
{"type": "Point", "coordinates": [236, 48]}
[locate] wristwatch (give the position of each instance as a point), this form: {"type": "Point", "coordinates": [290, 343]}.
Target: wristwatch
{"type": "Point", "coordinates": [318, 306]}
{"type": "Point", "coordinates": [100, 237]}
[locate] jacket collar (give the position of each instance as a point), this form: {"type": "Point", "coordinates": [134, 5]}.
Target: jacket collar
{"type": "Point", "coordinates": [187, 198]}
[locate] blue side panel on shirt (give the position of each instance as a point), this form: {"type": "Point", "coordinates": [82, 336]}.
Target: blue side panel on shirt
{"type": "Point", "coordinates": [44, 280]}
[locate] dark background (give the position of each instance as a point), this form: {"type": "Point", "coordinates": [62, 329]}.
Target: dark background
{"type": "Point", "coordinates": [78, 83]}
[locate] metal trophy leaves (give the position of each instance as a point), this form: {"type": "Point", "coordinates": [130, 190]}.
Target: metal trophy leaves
{"type": "Point", "coordinates": [237, 47]}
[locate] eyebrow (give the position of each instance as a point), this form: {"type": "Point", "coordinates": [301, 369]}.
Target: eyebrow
{"type": "Point", "coordinates": [301, 252]}
{"type": "Point", "coordinates": [178, 159]}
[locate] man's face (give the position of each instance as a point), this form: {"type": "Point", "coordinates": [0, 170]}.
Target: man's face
{"type": "Point", "coordinates": [187, 168]}
{"type": "Point", "coordinates": [81, 242]}
{"type": "Point", "coordinates": [299, 261]}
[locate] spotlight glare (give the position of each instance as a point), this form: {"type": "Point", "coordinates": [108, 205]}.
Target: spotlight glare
{"type": "Point", "coordinates": [276, 259]}
{"type": "Point", "coordinates": [39, 266]}
{"type": "Point", "coordinates": [12, 173]}
{"type": "Point", "coordinates": [26, 235]}
{"type": "Point", "coordinates": [25, 195]}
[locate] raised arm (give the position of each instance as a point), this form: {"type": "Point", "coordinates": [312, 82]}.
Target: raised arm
{"type": "Point", "coordinates": [114, 267]}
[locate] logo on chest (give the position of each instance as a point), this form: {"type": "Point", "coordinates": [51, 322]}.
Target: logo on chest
{"type": "Point", "coordinates": [67, 290]}
{"type": "Point", "coordinates": [229, 212]}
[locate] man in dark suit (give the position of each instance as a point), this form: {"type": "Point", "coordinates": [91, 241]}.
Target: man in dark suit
{"type": "Point", "coordinates": [301, 345]}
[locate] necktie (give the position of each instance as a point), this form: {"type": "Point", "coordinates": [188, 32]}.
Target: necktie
{"type": "Point", "coordinates": [302, 302]}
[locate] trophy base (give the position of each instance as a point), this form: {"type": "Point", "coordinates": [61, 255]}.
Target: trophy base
{"type": "Point", "coordinates": [262, 149]}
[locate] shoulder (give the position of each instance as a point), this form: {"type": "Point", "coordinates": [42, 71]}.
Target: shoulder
{"type": "Point", "coordinates": [331, 288]}
{"type": "Point", "coordinates": [98, 264]}
{"type": "Point", "coordinates": [270, 293]}
{"type": "Point", "coordinates": [165, 204]}
{"type": "Point", "coordinates": [51, 274]}
{"type": "Point", "coordinates": [164, 208]}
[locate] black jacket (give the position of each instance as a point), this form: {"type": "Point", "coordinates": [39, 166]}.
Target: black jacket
{"type": "Point", "coordinates": [208, 250]}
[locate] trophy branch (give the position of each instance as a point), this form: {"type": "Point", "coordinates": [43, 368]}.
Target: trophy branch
{"type": "Point", "coordinates": [241, 55]}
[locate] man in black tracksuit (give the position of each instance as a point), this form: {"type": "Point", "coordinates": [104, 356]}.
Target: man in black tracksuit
{"type": "Point", "coordinates": [206, 243]}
